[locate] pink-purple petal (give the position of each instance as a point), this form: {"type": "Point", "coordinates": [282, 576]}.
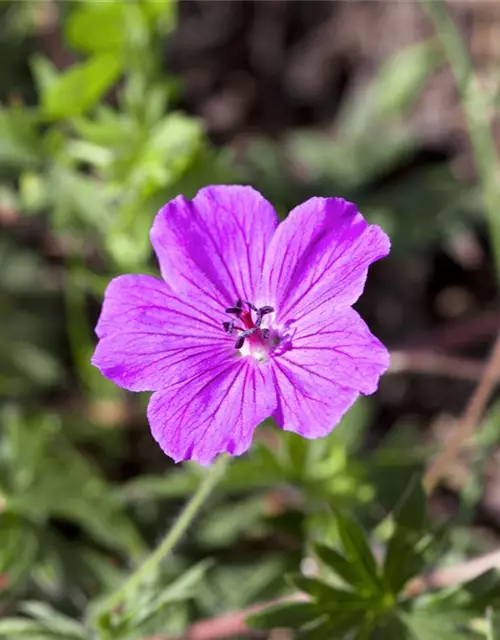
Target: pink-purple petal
{"type": "Point", "coordinates": [320, 256]}
{"type": "Point", "coordinates": [311, 407]}
{"type": "Point", "coordinates": [338, 347]}
{"type": "Point", "coordinates": [215, 245]}
{"type": "Point", "coordinates": [149, 337]}
{"type": "Point", "coordinates": [215, 411]}
{"type": "Point", "coordinates": [331, 359]}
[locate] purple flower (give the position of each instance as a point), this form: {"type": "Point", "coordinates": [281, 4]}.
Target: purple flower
{"type": "Point", "coordinates": [251, 319]}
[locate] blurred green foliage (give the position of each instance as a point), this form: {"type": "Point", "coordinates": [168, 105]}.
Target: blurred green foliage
{"type": "Point", "coordinates": [88, 153]}
{"type": "Point", "coordinates": [358, 597]}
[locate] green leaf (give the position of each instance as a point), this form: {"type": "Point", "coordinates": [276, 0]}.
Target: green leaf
{"type": "Point", "coordinates": [44, 72]}
{"type": "Point", "coordinates": [493, 624]}
{"type": "Point", "coordinates": [334, 626]}
{"type": "Point", "coordinates": [261, 469]}
{"type": "Point", "coordinates": [39, 458]}
{"type": "Point", "coordinates": [79, 198]}
{"type": "Point", "coordinates": [19, 548]}
{"type": "Point", "coordinates": [358, 551]}
{"type": "Point", "coordinates": [473, 597]}
{"type": "Point", "coordinates": [97, 27]}
{"type": "Point", "coordinates": [20, 143]}
{"type": "Point", "coordinates": [32, 192]}
{"type": "Point", "coordinates": [41, 634]}
{"type": "Point", "coordinates": [426, 624]}
{"type": "Point", "coordinates": [321, 630]}
{"type": "Point", "coordinates": [80, 88]}
{"type": "Point", "coordinates": [18, 627]}
{"type": "Point", "coordinates": [325, 594]}
{"type": "Point", "coordinates": [50, 625]}
{"type": "Point", "coordinates": [352, 428]}
{"type": "Point", "coordinates": [186, 584]}
{"type": "Point", "coordinates": [403, 76]}
{"type": "Point", "coordinates": [402, 562]}
{"type": "Point", "coordinates": [179, 590]}
{"type": "Point", "coordinates": [291, 615]}
{"type": "Point", "coordinates": [403, 559]}
{"type": "Point", "coordinates": [339, 564]}
{"type": "Point", "coordinates": [106, 127]}
{"type": "Point", "coordinates": [388, 627]}
{"type": "Point", "coordinates": [297, 450]}
{"type": "Point", "coordinates": [162, 11]}
{"type": "Point", "coordinates": [366, 629]}
{"type": "Point", "coordinates": [482, 592]}
{"type": "Point", "coordinates": [54, 621]}
{"type": "Point", "coordinates": [258, 471]}
{"type": "Point", "coordinates": [411, 513]}
{"type": "Point", "coordinates": [176, 484]}
{"type": "Point", "coordinates": [170, 148]}
{"type": "Point", "coordinates": [230, 522]}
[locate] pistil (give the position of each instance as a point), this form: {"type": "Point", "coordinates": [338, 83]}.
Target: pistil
{"type": "Point", "coordinates": [251, 329]}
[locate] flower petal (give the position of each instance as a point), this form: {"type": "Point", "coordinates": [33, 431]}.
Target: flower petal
{"type": "Point", "coordinates": [320, 254]}
{"type": "Point", "coordinates": [338, 347]}
{"type": "Point", "coordinates": [331, 361]}
{"type": "Point", "coordinates": [149, 337]}
{"type": "Point", "coordinates": [216, 243]}
{"type": "Point", "coordinates": [311, 410]}
{"type": "Point", "coordinates": [212, 412]}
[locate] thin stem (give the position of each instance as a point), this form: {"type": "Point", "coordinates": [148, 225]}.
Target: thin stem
{"type": "Point", "coordinates": [77, 324]}
{"type": "Point", "coordinates": [450, 576]}
{"type": "Point", "coordinates": [476, 111]}
{"type": "Point", "coordinates": [490, 621]}
{"type": "Point", "coordinates": [180, 527]}
{"type": "Point", "coordinates": [437, 364]}
{"type": "Point", "coordinates": [468, 422]}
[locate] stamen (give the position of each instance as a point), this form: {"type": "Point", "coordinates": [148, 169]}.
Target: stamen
{"type": "Point", "coordinates": [250, 326]}
{"type": "Point", "coordinates": [252, 306]}
{"type": "Point", "coordinates": [265, 310]}
{"type": "Point", "coordinates": [228, 327]}
{"type": "Point", "coordinates": [261, 313]}
{"type": "Point", "coordinates": [237, 309]}
{"type": "Point", "coordinates": [241, 338]}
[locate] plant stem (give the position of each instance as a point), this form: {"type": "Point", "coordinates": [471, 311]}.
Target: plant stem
{"type": "Point", "coordinates": [469, 421]}
{"type": "Point", "coordinates": [173, 536]}
{"type": "Point", "coordinates": [476, 109]}
{"type": "Point", "coordinates": [77, 323]}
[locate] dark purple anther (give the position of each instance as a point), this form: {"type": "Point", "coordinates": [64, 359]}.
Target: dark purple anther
{"type": "Point", "coordinates": [262, 312]}
{"type": "Point", "coordinates": [265, 310]}
{"type": "Point", "coordinates": [228, 327]}
{"type": "Point", "coordinates": [239, 342]}
{"type": "Point", "coordinates": [241, 338]}
{"type": "Point", "coordinates": [237, 309]}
